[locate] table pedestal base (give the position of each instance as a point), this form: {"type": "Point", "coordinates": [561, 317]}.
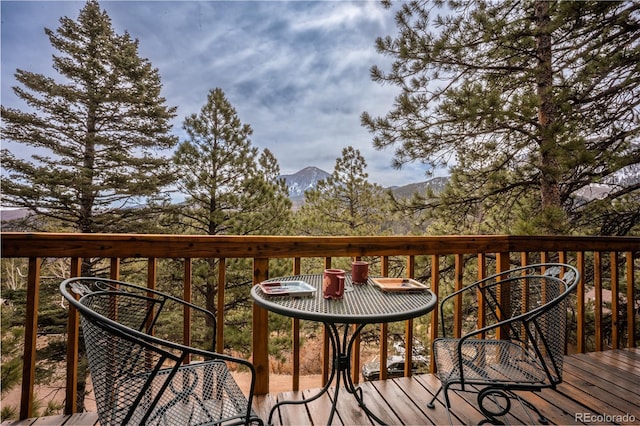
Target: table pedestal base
{"type": "Point", "coordinates": [341, 370]}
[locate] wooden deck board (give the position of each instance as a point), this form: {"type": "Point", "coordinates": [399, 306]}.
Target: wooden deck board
{"type": "Point", "coordinates": [292, 414]}
{"type": "Point", "coordinates": [388, 402]}
{"type": "Point", "coordinates": [605, 383]}
{"type": "Point", "coordinates": [621, 391]}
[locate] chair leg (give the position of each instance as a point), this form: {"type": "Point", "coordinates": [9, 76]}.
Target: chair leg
{"type": "Point", "coordinates": [447, 405]}
{"type": "Point", "coordinates": [541, 418]}
{"type": "Point", "coordinates": [255, 420]}
{"type": "Point", "coordinates": [431, 404]}
{"type": "Point", "coordinates": [494, 394]}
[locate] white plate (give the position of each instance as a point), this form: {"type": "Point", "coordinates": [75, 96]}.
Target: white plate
{"type": "Point", "coordinates": [287, 288]}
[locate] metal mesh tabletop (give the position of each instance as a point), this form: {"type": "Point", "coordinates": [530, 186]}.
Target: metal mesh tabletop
{"type": "Point", "coordinates": [365, 303]}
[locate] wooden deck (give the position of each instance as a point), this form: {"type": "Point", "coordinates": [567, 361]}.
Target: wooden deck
{"type": "Point", "coordinates": [598, 388]}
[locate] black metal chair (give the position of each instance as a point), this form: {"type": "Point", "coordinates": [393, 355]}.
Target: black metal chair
{"type": "Point", "coordinates": [141, 377]}
{"type": "Point", "coordinates": [518, 344]}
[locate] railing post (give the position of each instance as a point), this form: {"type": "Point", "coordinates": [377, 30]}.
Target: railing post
{"type": "Point", "coordinates": [260, 324]}
{"type": "Point", "coordinates": [30, 336]}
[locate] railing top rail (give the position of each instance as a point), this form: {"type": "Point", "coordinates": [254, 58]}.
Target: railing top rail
{"type": "Point", "coordinates": [16, 244]}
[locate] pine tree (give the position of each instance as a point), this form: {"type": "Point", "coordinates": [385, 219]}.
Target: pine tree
{"type": "Point", "coordinates": [230, 187]}
{"type": "Point", "coordinates": [345, 203]}
{"type": "Point", "coordinates": [527, 102]}
{"type": "Point", "coordinates": [96, 133]}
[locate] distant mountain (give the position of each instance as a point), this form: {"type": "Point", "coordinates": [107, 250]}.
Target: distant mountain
{"type": "Point", "coordinates": [302, 180]}
{"type": "Point", "coordinates": [11, 214]}
{"type": "Point", "coordinates": [436, 184]}
{"type": "Point", "coordinates": [626, 176]}
{"type": "Point", "coordinates": [308, 178]}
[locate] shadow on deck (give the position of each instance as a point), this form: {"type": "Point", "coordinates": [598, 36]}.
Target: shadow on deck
{"type": "Point", "coordinates": [598, 388]}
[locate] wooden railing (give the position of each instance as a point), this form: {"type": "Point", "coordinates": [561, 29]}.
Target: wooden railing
{"type": "Point", "coordinates": [604, 262]}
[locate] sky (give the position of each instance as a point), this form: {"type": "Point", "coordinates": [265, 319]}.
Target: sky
{"type": "Point", "coordinates": [296, 72]}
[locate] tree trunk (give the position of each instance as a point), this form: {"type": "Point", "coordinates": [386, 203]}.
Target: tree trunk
{"type": "Point", "coordinates": [549, 168]}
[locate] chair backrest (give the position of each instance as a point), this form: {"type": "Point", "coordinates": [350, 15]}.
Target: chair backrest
{"type": "Point", "coordinates": [526, 306]}
{"type": "Point", "coordinates": [118, 322]}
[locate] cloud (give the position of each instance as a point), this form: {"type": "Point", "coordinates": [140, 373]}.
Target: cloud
{"type": "Point", "coordinates": [297, 72]}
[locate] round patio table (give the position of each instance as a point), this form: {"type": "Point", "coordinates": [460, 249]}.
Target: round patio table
{"type": "Point", "coordinates": [362, 304]}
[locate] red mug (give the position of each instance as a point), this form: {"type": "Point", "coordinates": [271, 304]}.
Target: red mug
{"type": "Point", "coordinates": [333, 284]}
{"type": "Point", "coordinates": [359, 272]}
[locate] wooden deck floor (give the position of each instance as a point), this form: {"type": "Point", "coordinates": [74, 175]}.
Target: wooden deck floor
{"type": "Point", "coordinates": [598, 388]}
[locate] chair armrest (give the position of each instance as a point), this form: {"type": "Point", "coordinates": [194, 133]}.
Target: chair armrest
{"type": "Point", "coordinates": [550, 271]}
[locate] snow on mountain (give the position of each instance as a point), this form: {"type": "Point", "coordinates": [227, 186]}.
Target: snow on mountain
{"type": "Point", "coordinates": [626, 176]}
{"type": "Point", "coordinates": [303, 180]}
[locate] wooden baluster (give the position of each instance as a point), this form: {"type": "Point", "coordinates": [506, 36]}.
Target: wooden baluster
{"type": "Point", "coordinates": [114, 268]}
{"type": "Point", "coordinates": [355, 354]}
{"type": "Point", "coordinates": [435, 283]}
{"type": "Point", "coordinates": [457, 301]}
{"type": "Point", "coordinates": [260, 324]}
{"type": "Point", "coordinates": [325, 340]}
{"type": "Point", "coordinates": [408, 331]}
{"type": "Point", "coordinates": [631, 321]}
{"type": "Point", "coordinates": [482, 273]}
{"type": "Point", "coordinates": [615, 307]}
{"type": "Point", "coordinates": [222, 281]}
{"type": "Point", "coordinates": [544, 258]}
{"type": "Point", "coordinates": [384, 327]}
{"type": "Point", "coordinates": [580, 304]}
{"type": "Point", "coordinates": [30, 336]}
{"type": "Point", "coordinates": [503, 265]}
{"type": "Point", "coordinates": [73, 334]}
{"type": "Point", "coordinates": [597, 281]}
{"type": "Point", "coordinates": [295, 335]}
{"type": "Point", "coordinates": [152, 273]}
{"type": "Point", "coordinates": [525, 299]}
{"type": "Point", "coordinates": [186, 310]}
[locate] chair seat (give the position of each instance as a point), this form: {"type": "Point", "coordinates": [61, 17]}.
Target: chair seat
{"type": "Point", "coordinates": [483, 361]}
{"type": "Point", "coordinates": [199, 393]}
